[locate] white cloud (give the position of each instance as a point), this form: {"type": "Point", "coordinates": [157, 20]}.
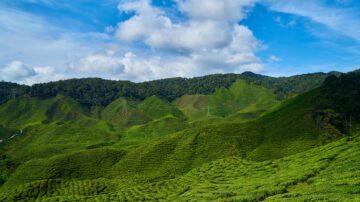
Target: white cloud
{"type": "Point", "coordinates": [16, 71]}
{"type": "Point", "coordinates": [224, 10]}
{"type": "Point", "coordinates": [30, 38]}
{"type": "Point", "coordinates": [151, 26]}
{"type": "Point", "coordinates": [274, 58]}
{"type": "Point", "coordinates": [22, 73]}
{"type": "Point", "coordinates": [99, 63]}
{"type": "Point", "coordinates": [344, 21]}
{"type": "Point", "coordinates": [208, 42]}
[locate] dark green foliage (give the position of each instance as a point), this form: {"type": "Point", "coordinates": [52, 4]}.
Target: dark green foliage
{"type": "Point", "coordinates": [11, 91]}
{"type": "Point", "coordinates": [342, 94]}
{"type": "Point", "coordinates": [99, 92]}
{"type": "Point", "coordinates": [338, 104]}
{"type": "Point", "coordinates": [5, 132]}
{"type": "Point", "coordinates": [88, 92]}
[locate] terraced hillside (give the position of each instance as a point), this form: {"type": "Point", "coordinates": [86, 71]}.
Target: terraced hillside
{"type": "Point", "coordinates": [241, 98]}
{"type": "Point", "coordinates": [329, 173]}
{"type": "Point", "coordinates": [239, 143]}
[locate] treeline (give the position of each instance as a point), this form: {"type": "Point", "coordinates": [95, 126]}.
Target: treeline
{"type": "Point", "coordinates": [10, 90]}
{"type": "Point", "coordinates": [337, 107]}
{"type": "Point", "coordinates": [342, 94]}
{"type": "Point", "coordinates": [99, 92]}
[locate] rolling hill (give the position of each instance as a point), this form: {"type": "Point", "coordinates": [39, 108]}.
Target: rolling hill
{"type": "Point", "coordinates": [241, 97]}
{"type": "Point", "coordinates": [242, 140]}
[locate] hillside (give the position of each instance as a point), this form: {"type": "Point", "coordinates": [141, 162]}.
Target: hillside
{"type": "Point", "coordinates": [241, 97]}
{"type": "Point", "coordinates": [221, 145]}
{"type": "Point", "coordinates": [329, 173]}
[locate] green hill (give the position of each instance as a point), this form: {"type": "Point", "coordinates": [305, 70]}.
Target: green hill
{"type": "Point", "coordinates": [241, 96]}
{"type": "Point", "coordinates": [233, 140]}
{"type": "Point", "coordinates": [124, 113]}
{"type": "Point", "coordinates": [18, 113]}
{"type": "Point", "coordinates": [156, 107]}
{"type": "Point", "coordinates": [328, 173]}
{"type": "Point", "coordinates": [285, 131]}
{"type": "Point", "coordinates": [153, 130]}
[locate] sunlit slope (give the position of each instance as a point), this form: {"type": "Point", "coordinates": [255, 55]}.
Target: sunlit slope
{"type": "Point", "coordinates": [124, 113]}
{"type": "Point", "coordinates": [23, 112]}
{"type": "Point", "coordinates": [156, 107]}
{"type": "Point", "coordinates": [18, 113]}
{"type": "Point", "coordinates": [285, 131]}
{"type": "Point", "coordinates": [81, 165]}
{"type": "Point", "coordinates": [328, 173]}
{"type": "Point", "coordinates": [152, 130]}
{"type": "Point", "coordinates": [241, 96]}
{"type": "Point", "coordinates": [50, 127]}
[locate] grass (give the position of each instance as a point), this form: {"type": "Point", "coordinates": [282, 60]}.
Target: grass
{"type": "Point", "coordinates": [156, 107]}
{"type": "Point", "coordinates": [124, 113]}
{"type": "Point", "coordinates": [328, 173]}
{"type": "Point", "coordinates": [6, 133]}
{"type": "Point", "coordinates": [155, 129]}
{"type": "Point", "coordinates": [241, 96]}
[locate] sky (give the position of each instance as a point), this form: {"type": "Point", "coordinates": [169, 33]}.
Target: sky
{"type": "Point", "coordinates": [140, 40]}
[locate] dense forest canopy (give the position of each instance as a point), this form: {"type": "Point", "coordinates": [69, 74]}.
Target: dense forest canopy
{"type": "Point", "coordinates": [99, 92]}
{"type": "Point", "coordinates": [342, 94]}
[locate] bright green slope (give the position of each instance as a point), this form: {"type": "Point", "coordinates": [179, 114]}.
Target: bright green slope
{"type": "Point", "coordinates": [327, 173]}
{"type": "Point", "coordinates": [285, 131]}
{"type": "Point", "coordinates": [18, 113]}
{"type": "Point", "coordinates": [124, 113]}
{"type": "Point", "coordinates": [152, 130]}
{"type": "Point", "coordinates": [247, 100]}
{"type": "Point", "coordinates": [156, 107]}
{"type": "Point", "coordinates": [51, 127]}
{"type": "Point", "coordinates": [161, 153]}
{"type": "Point", "coordinates": [23, 112]}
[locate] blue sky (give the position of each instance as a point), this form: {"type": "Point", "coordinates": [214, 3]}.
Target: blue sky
{"type": "Point", "coordinates": [45, 40]}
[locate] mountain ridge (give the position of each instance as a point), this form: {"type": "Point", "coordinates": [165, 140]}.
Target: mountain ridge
{"type": "Point", "coordinates": [92, 92]}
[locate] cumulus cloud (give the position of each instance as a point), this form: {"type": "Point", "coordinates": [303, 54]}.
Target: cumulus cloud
{"type": "Point", "coordinates": [209, 41]}
{"type": "Point", "coordinates": [16, 71]}
{"type": "Point", "coordinates": [20, 72]}
{"type": "Point", "coordinates": [151, 26]}
{"type": "Point", "coordinates": [99, 63]}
